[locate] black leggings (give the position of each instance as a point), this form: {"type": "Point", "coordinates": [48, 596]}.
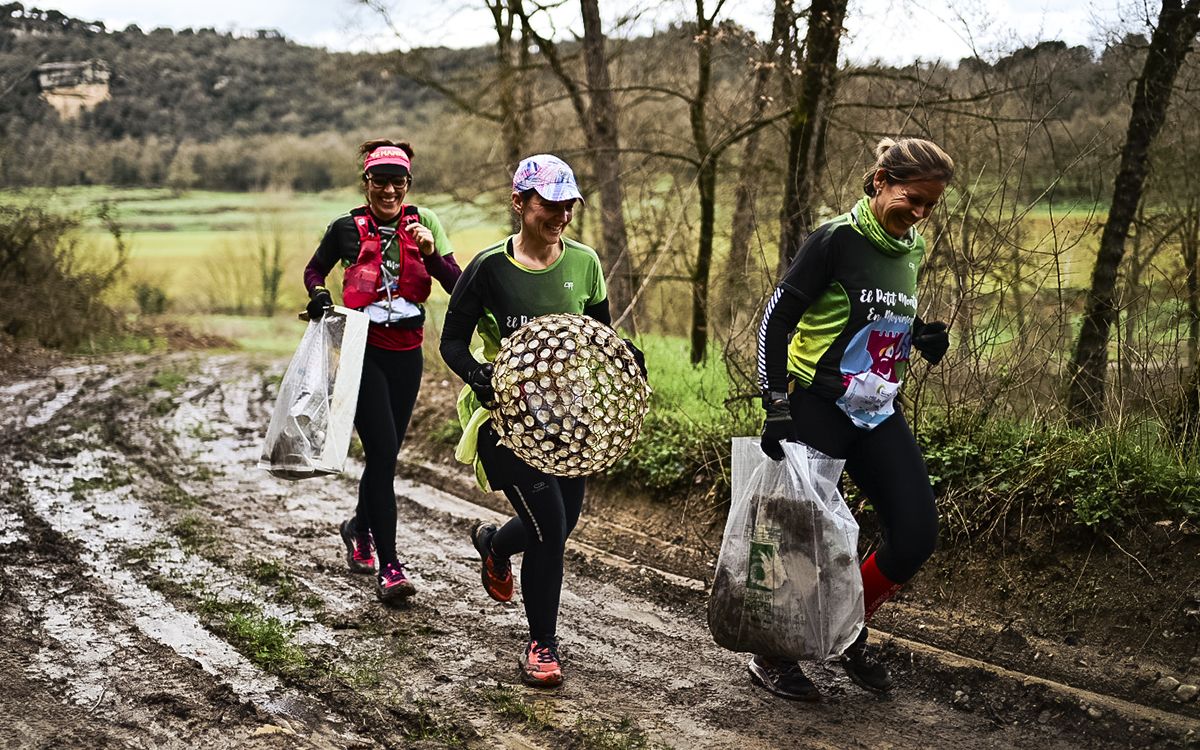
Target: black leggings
{"type": "Point", "coordinates": [886, 464]}
{"type": "Point", "coordinates": [547, 510]}
{"type": "Point", "coordinates": [386, 396]}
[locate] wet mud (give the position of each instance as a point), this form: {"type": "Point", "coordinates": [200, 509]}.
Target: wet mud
{"type": "Point", "coordinates": [157, 589]}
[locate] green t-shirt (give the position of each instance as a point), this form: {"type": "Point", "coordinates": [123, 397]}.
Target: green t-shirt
{"type": "Point", "coordinates": [502, 295]}
{"type": "Point", "coordinates": [861, 302]}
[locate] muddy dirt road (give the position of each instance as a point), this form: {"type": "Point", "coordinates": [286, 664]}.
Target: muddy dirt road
{"type": "Point", "coordinates": [158, 590]}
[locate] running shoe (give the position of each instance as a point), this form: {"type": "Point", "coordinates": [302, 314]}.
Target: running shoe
{"type": "Point", "coordinates": [497, 571]}
{"type": "Point", "coordinates": [863, 668]}
{"type": "Point", "coordinates": [540, 666]}
{"type": "Point", "coordinates": [392, 583]}
{"type": "Point", "coordinates": [785, 679]}
{"type": "Point", "coordinates": [360, 553]}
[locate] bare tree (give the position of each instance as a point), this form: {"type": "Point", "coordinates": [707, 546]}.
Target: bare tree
{"type": "Point", "coordinates": [513, 117]}
{"type": "Point", "coordinates": [598, 119]}
{"type": "Point", "coordinates": [1169, 46]}
{"type": "Point", "coordinates": [706, 177]}
{"type": "Point", "coordinates": [737, 279]}
{"type": "Point", "coordinates": [606, 169]}
{"type": "Point", "coordinates": [512, 111]}
{"type": "Point", "coordinates": [809, 107]}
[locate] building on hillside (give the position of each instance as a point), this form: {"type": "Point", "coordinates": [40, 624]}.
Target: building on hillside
{"type": "Point", "coordinates": [73, 87]}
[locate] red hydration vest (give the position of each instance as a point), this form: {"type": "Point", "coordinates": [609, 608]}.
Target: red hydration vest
{"type": "Point", "coordinates": [362, 281]}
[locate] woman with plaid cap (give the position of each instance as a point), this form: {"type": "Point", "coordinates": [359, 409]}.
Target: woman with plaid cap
{"type": "Point", "coordinates": [535, 272]}
{"type": "Point", "coordinates": [391, 251]}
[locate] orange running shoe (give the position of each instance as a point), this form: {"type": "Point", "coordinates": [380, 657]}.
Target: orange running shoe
{"type": "Point", "coordinates": [540, 666]}
{"type": "Point", "coordinates": [496, 571]}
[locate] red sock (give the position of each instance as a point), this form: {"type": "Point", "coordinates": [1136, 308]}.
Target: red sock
{"type": "Point", "coordinates": [877, 588]}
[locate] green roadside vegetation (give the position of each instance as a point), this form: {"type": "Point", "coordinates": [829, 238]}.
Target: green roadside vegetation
{"type": "Point", "coordinates": [1103, 477]}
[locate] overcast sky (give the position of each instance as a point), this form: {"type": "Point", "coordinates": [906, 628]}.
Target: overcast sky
{"type": "Point", "coordinates": [890, 30]}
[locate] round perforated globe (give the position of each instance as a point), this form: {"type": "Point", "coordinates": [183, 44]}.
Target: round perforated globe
{"type": "Point", "coordinates": [570, 397]}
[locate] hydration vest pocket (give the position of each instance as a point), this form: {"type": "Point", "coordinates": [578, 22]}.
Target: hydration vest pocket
{"type": "Point", "coordinates": [360, 284]}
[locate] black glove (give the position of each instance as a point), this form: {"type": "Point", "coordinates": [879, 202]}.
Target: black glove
{"type": "Point", "coordinates": [319, 301]}
{"type": "Point", "coordinates": [931, 339]}
{"type": "Point", "coordinates": [480, 380]}
{"type": "Point", "coordinates": [638, 357]}
{"type": "Point", "coordinates": [778, 426]}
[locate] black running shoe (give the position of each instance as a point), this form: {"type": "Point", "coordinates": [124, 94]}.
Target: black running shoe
{"type": "Point", "coordinates": [864, 668]}
{"type": "Point", "coordinates": [785, 679]}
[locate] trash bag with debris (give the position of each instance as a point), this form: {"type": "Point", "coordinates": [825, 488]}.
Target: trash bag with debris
{"type": "Point", "coordinates": [309, 433]}
{"type": "Point", "coordinates": [787, 584]}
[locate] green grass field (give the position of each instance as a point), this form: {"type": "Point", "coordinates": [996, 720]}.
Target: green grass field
{"type": "Point", "coordinates": [200, 247]}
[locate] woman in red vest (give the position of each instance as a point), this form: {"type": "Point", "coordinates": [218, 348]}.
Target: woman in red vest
{"type": "Point", "coordinates": [391, 251]}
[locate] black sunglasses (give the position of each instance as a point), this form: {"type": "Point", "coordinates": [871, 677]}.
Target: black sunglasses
{"type": "Point", "coordinates": [382, 181]}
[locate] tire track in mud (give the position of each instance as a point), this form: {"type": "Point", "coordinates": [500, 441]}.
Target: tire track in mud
{"type": "Point", "coordinates": [76, 501]}
{"type": "Point", "coordinates": [124, 473]}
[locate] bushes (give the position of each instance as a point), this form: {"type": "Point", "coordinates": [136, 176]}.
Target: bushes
{"type": "Point", "coordinates": [985, 476]}
{"type": "Point", "coordinates": [673, 452]}
{"type": "Point", "coordinates": [1106, 476]}
{"type": "Point", "coordinates": [50, 292]}
{"type": "Point", "coordinates": [685, 437]}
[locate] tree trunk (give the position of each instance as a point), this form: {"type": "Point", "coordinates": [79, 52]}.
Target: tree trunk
{"type": "Point", "coordinates": [1169, 46]}
{"type": "Point", "coordinates": [736, 276]}
{"type": "Point", "coordinates": [816, 88]}
{"type": "Point", "coordinates": [598, 120]}
{"type": "Point", "coordinates": [707, 180]}
{"type": "Point", "coordinates": [1189, 245]}
{"type": "Point", "coordinates": [706, 183]}
{"type": "Point", "coordinates": [606, 165]}
{"type": "Point", "coordinates": [511, 130]}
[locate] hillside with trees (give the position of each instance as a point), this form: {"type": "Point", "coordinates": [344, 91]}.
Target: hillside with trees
{"type": "Point", "coordinates": [171, 90]}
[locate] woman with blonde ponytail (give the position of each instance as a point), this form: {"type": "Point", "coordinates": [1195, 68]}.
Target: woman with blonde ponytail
{"type": "Point", "coordinates": [833, 351]}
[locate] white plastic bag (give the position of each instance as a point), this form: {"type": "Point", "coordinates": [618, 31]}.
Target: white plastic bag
{"type": "Point", "coordinates": [787, 584]}
{"type": "Point", "coordinates": [309, 433]}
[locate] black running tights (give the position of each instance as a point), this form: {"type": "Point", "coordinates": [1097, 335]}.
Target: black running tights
{"type": "Point", "coordinates": [886, 464]}
{"type": "Point", "coordinates": [547, 510]}
{"type": "Point", "coordinates": [386, 396]}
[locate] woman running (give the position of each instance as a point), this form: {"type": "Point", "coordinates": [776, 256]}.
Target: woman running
{"type": "Point", "coordinates": [833, 351]}
{"type": "Point", "coordinates": [391, 251]}
{"type": "Point", "coordinates": [535, 272]}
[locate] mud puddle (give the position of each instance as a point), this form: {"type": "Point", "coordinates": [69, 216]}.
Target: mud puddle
{"type": "Point", "coordinates": [138, 538]}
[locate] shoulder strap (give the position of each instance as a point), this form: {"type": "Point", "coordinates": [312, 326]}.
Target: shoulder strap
{"type": "Point", "coordinates": [365, 225]}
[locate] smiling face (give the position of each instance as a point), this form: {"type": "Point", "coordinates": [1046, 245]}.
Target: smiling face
{"type": "Point", "coordinates": [542, 221]}
{"type": "Point", "coordinates": [385, 194]}
{"type": "Point", "coordinates": [899, 205]}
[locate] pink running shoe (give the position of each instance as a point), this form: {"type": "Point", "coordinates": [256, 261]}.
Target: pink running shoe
{"type": "Point", "coordinates": [392, 583]}
{"type": "Point", "coordinates": [360, 553]}
{"type": "Point", "coordinates": [540, 666]}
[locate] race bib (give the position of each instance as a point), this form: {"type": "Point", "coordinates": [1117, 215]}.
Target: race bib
{"type": "Point", "coordinates": [868, 399]}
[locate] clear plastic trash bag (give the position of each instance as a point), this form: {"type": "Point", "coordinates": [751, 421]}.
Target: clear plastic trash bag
{"type": "Point", "coordinates": [309, 433]}
{"type": "Point", "coordinates": [787, 584]}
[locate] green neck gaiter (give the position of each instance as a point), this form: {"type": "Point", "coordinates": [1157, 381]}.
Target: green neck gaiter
{"type": "Point", "coordinates": [865, 222]}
